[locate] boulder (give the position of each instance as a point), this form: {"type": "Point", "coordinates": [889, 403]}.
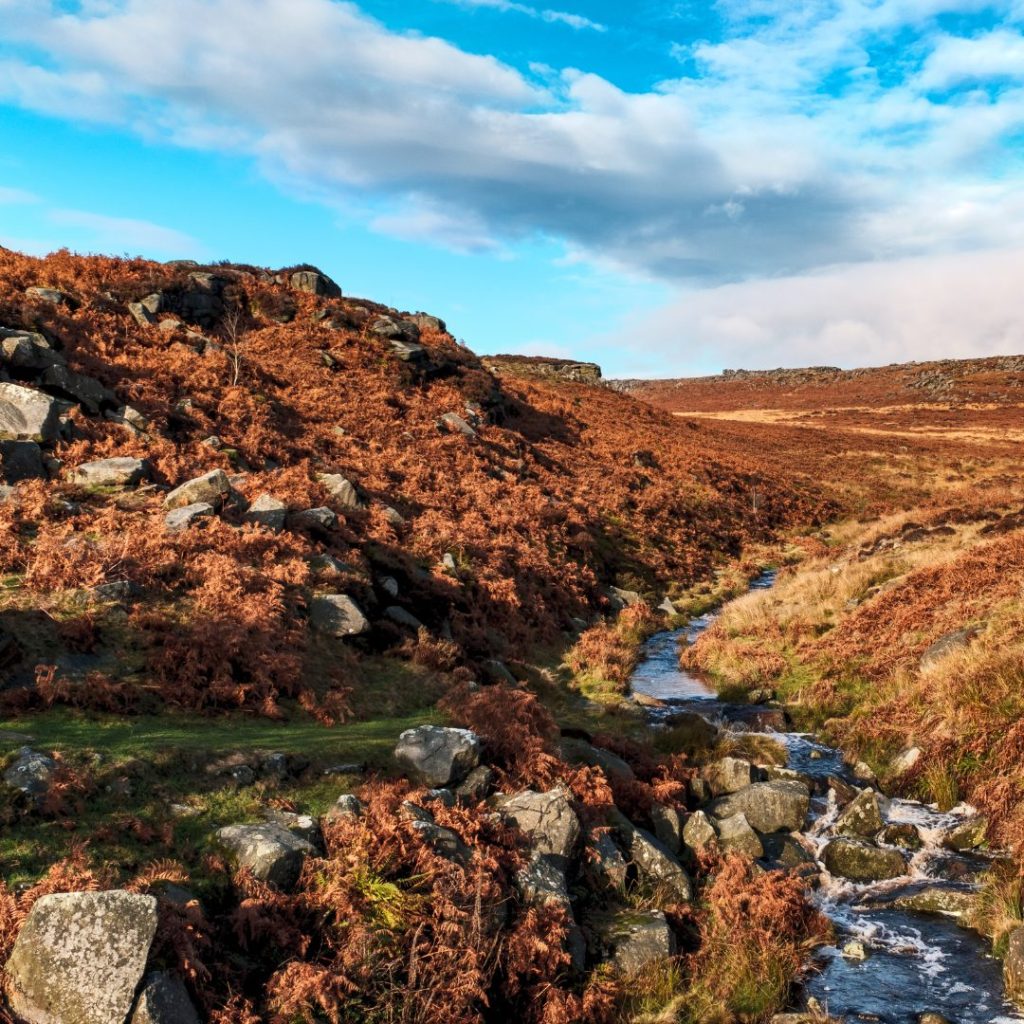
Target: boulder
{"type": "Point", "coordinates": [729, 775]}
{"type": "Point", "coordinates": [736, 835]}
{"type": "Point", "coordinates": [476, 786]}
{"type": "Point", "coordinates": [784, 851]}
{"type": "Point", "coordinates": [1013, 965]}
{"type": "Point", "coordinates": [272, 853]}
{"type": "Point", "coordinates": [80, 956]}
{"type": "Point", "coordinates": [21, 460]}
{"type": "Point", "coordinates": [164, 1000]}
{"type": "Point", "coordinates": [905, 760]}
{"type": "Point", "coordinates": [182, 518]}
{"type": "Point", "coordinates": [654, 863]}
{"type": "Point", "coordinates": [699, 732]}
{"type": "Point", "coordinates": [268, 512]}
{"type": "Point", "coordinates": [903, 835]}
{"type": "Point", "coordinates": [145, 310]}
{"type": "Point", "coordinates": [542, 881]}
{"type": "Point", "coordinates": [862, 817]}
{"type": "Point", "coordinates": [118, 472]}
{"type": "Point", "coordinates": [315, 283]}
{"type": "Point", "coordinates": [619, 598]}
{"type": "Point", "coordinates": [455, 424]}
{"type": "Point", "coordinates": [342, 491]}
{"type": "Point", "coordinates": [929, 897]}
{"type": "Point", "coordinates": [90, 394]}
{"type": "Point", "coordinates": [437, 756]}
{"type": "Point", "coordinates": [51, 295]}
{"type": "Point", "coordinates": [668, 826]}
{"type": "Point", "coordinates": [31, 772]}
{"type": "Point", "coordinates": [577, 751]}
{"type": "Point", "coordinates": [313, 519]}
{"type": "Point", "coordinates": [213, 488]}
{"type": "Point", "coordinates": [408, 351]}
{"type": "Point", "coordinates": [443, 841]}
{"type": "Point", "coordinates": [347, 807]}
{"type": "Point", "coordinates": [603, 863]}
{"type": "Point", "coordinates": [547, 819]}
{"type": "Point", "coordinates": [426, 322]}
{"type": "Point", "coordinates": [968, 835]}
{"type": "Point", "coordinates": [777, 806]}
{"type": "Point", "coordinates": [859, 861]}
{"type": "Point", "coordinates": [305, 826]}
{"type": "Point", "coordinates": [957, 640]}
{"type": "Point", "coordinates": [337, 615]}
{"type": "Point", "coordinates": [698, 832]}
{"type": "Point", "coordinates": [636, 938]}
{"type": "Point", "coordinates": [496, 671]}
{"type": "Point", "coordinates": [202, 302]}
{"type": "Point", "coordinates": [401, 617]}
{"type": "Point", "coordinates": [29, 415]}
{"type": "Point", "coordinates": [390, 328]}
{"type": "Point", "coordinates": [26, 350]}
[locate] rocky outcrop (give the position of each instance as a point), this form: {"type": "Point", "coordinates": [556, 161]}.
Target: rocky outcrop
{"type": "Point", "coordinates": [544, 367]}
{"type": "Point", "coordinates": [437, 756]}
{"type": "Point", "coordinates": [80, 956]}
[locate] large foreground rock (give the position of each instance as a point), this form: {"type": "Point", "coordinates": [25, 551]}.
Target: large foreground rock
{"type": "Point", "coordinates": [437, 756]}
{"type": "Point", "coordinates": [861, 862]}
{"type": "Point", "coordinates": [80, 957]}
{"type": "Point", "coordinates": [546, 818]}
{"type": "Point", "coordinates": [270, 852]}
{"type": "Point", "coordinates": [653, 861]}
{"type": "Point", "coordinates": [777, 806]}
{"type": "Point", "coordinates": [28, 415]}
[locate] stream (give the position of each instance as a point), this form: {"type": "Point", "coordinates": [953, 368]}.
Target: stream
{"type": "Point", "coordinates": [915, 962]}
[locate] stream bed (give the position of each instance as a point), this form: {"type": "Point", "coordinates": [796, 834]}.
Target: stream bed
{"type": "Point", "coordinates": [915, 962]}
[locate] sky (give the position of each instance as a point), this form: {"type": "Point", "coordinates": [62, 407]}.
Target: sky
{"type": "Point", "coordinates": [665, 187]}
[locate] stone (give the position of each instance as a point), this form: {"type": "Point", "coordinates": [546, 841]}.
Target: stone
{"type": "Point", "coordinates": [273, 854]}
{"type": "Point", "coordinates": [653, 862]}
{"type": "Point", "coordinates": [443, 841]}
{"type": "Point", "coordinates": [929, 897]}
{"type": "Point", "coordinates": [29, 415]}
{"type": "Point", "coordinates": [90, 394]}
{"type": "Point", "coordinates": [268, 512]}
{"type": "Point", "coordinates": [180, 519]}
{"type": "Point", "coordinates": [21, 460]}
{"type": "Point", "coordinates": [777, 806]}
{"type": "Point", "coordinates": [697, 730]}
{"type": "Point", "coordinates": [80, 956]}
{"type": "Point", "coordinates": [342, 491]}
{"type": "Point", "coordinates": [408, 351]}
{"type": "Point", "coordinates": [51, 295]}
{"type": "Point", "coordinates": [784, 851]}
{"type": "Point", "coordinates": [164, 1000]}
{"type": "Point", "coordinates": [337, 615]}
{"type": "Point", "coordinates": [736, 835]}
{"type": "Point", "coordinates": [1013, 964]}
{"type": "Point", "coordinates": [436, 755]}
{"type": "Point", "coordinates": [668, 826]}
{"type": "Point", "coordinates": [863, 772]}
{"type": "Point", "coordinates": [321, 518]}
{"type": "Point", "coordinates": [855, 950]}
{"type": "Point", "coordinates": [213, 488]}
{"type": "Point", "coordinates": [843, 792]}
{"type": "Point", "coordinates": [426, 322]}
{"type": "Point", "coordinates": [122, 471]}
{"type": "Point", "coordinates": [859, 861]}
{"type": "Point", "coordinates": [402, 618]}
{"type": "Point", "coordinates": [201, 302]}
{"type": "Point", "coordinates": [698, 832]}
{"type": "Point", "coordinates": [408, 811]}
{"type": "Point", "coordinates": [347, 807]}
{"type": "Point", "coordinates": [315, 283]}
{"type": "Point", "coordinates": [542, 881]}
{"type": "Point", "coordinates": [391, 328]}
{"type": "Point", "coordinates": [577, 751]}
{"type": "Point", "coordinates": [931, 1017]}
{"type": "Point", "coordinates": [31, 772]}
{"type": "Point", "coordinates": [455, 424]}
{"type": "Point", "coordinates": [476, 786]}
{"type": "Point", "coordinates": [862, 816]}
{"type": "Point", "coordinates": [393, 516]}
{"type": "Point", "coordinates": [903, 835]}
{"type": "Point", "coordinates": [957, 640]}
{"type": "Point", "coordinates": [637, 938]}
{"type": "Point", "coordinates": [620, 598]}
{"type": "Point", "coordinates": [969, 835]}
{"type": "Point", "coordinates": [145, 310]}
{"type": "Point", "coordinates": [305, 826]}
{"type": "Point", "coordinates": [26, 350]}
{"type": "Point", "coordinates": [603, 862]}
{"type": "Point", "coordinates": [905, 760]}
{"type": "Point", "coordinates": [546, 819]}
{"type": "Point", "coordinates": [389, 585]}
{"type": "Point", "coordinates": [729, 775]}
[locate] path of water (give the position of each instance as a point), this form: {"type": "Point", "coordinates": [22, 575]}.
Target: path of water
{"type": "Point", "coordinates": [916, 962]}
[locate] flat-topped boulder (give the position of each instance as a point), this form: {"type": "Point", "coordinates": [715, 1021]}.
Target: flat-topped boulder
{"type": "Point", "coordinates": [213, 488]}
{"type": "Point", "coordinates": [777, 806]}
{"type": "Point", "coordinates": [122, 471]}
{"type": "Point", "coordinates": [29, 415]}
{"type": "Point", "coordinates": [860, 861]}
{"type": "Point", "coordinates": [547, 819]}
{"type": "Point", "coordinates": [634, 939]}
{"type": "Point", "coordinates": [436, 755]}
{"type": "Point", "coordinates": [80, 956]}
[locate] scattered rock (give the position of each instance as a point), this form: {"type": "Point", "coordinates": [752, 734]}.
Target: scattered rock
{"type": "Point", "coordinates": [21, 460]}
{"type": "Point", "coordinates": [321, 518]}
{"type": "Point", "coordinates": [859, 861]}
{"type": "Point", "coordinates": [698, 832]}
{"type": "Point", "coordinates": [31, 772]}
{"type": "Point", "coordinates": [118, 472]}
{"type": "Point", "coordinates": [212, 488]}
{"type": "Point", "coordinates": [270, 852]}
{"type": "Point", "coordinates": [437, 756]}
{"type": "Point", "coordinates": [337, 615]}
{"type": "Point", "coordinates": [855, 950]}
{"type": "Point", "coordinates": [543, 881]}
{"type": "Point", "coordinates": [603, 862]}
{"type": "Point", "coordinates": [547, 819]}
{"type": "Point", "coordinates": [668, 826]}
{"type": "Point", "coordinates": [268, 512]}
{"type": "Point", "coordinates": [905, 760]}
{"type": "Point", "coordinates": [777, 806]}
{"type": "Point", "coordinates": [476, 786]}
{"type": "Point", "coordinates": [957, 640]}
{"type": "Point", "coordinates": [145, 310]}
{"type": "Point", "coordinates": [735, 834]}
{"type": "Point", "coordinates": [729, 775]}
{"type": "Point", "coordinates": [426, 322]}
{"type": "Point", "coordinates": [401, 617]}
{"type": "Point", "coordinates": [305, 826]}
{"type": "Point", "coordinates": [928, 897]}
{"type": "Point", "coordinates": [342, 491]}
{"type": "Point", "coordinates": [51, 295]}
{"type": "Point", "coordinates": [654, 863]}
{"type": "Point", "coordinates": [637, 938]}
{"type": "Point", "coordinates": [347, 807]}
{"type": "Point", "coordinates": [698, 730]}
{"type": "Point", "coordinates": [182, 518]}
{"type": "Point", "coordinates": [903, 835]}
{"type": "Point", "coordinates": [967, 836]}
{"type": "Point", "coordinates": [28, 415]}
{"type": "Point", "coordinates": [164, 1000]}
{"type": "Point", "coordinates": [619, 598]}
{"type": "Point", "coordinates": [26, 350]}
{"type": "Point", "coordinates": [80, 956]}
{"type": "Point", "coordinates": [862, 817]}
{"type": "Point", "coordinates": [443, 841]}
{"type": "Point", "coordinates": [89, 393]}
{"type": "Point", "coordinates": [784, 851]}
{"type": "Point", "coordinates": [455, 424]}
{"type": "Point", "coordinates": [408, 351]}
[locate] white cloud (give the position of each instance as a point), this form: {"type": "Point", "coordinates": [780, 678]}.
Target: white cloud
{"type": "Point", "coordinates": [998, 54]}
{"type": "Point", "coordinates": [124, 234]}
{"type": "Point", "coordinates": [576, 21]}
{"type": "Point", "coordinates": [953, 306]}
{"type": "Point", "coordinates": [16, 196]}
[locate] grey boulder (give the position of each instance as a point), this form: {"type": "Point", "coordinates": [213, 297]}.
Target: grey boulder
{"type": "Point", "coordinates": [117, 472]}
{"type": "Point", "coordinates": [20, 460]}
{"type": "Point", "coordinates": [777, 806]}
{"type": "Point", "coordinates": [859, 861]}
{"type": "Point", "coordinates": [862, 816]}
{"type": "Point", "coordinates": [547, 819]}
{"type": "Point", "coordinates": [164, 1000]}
{"type": "Point", "coordinates": [212, 488]}
{"type": "Point", "coordinates": [272, 853]}
{"type": "Point", "coordinates": [337, 615]}
{"type": "Point", "coordinates": [268, 512]}
{"type": "Point", "coordinates": [637, 938]}
{"type": "Point", "coordinates": [29, 415]}
{"type": "Point", "coordinates": [437, 756]}
{"type": "Point", "coordinates": [180, 519]}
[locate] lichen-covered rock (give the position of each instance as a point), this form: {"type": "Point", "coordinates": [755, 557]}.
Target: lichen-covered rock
{"type": "Point", "coordinates": [968, 835]}
{"type": "Point", "coordinates": [777, 806]}
{"type": "Point", "coordinates": [901, 834]}
{"type": "Point", "coordinates": [272, 853]}
{"type": "Point", "coordinates": [337, 615]}
{"type": "Point", "coordinates": [637, 938]}
{"type": "Point", "coordinates": [342, 491]}
{"type": "Point", "coordinates": [543, 881]}
{"type": "Point", "coordinates": [315, 283]}
{"type": "Point", "coordinates": [29, 415]}
{"type": "Point", "coordinates": [728, 775]}
{"type": "Point", "coordinates": [80, 956]}
{"type": "Point", "coordinates": [213, 488]}
{"type": "Point", "coordinates": [736, 835]}
{"type": "Point", "coordinates": [861, 862]}
{"type": "Point", "coordinates": [164, 1000]}
{"type": "Point", "coordinates": [698, 832]}
{"type": "Point", "coordinates": [31, 772]}
{"type": "Point", "coordinates": [26, 350]}
{"type": "Point", "coordinates": [347, 807]}
{"type": "Point", "coordinates": [1013, 965]}
{"type": "Point", "coordinates": [862, 817]}
{"type": "Point", "coordinates": [603, 863]}
{"type": "Point", "coordinates": [268, 512]}
{"type": "Point", "coordinates": [437, 756]}
{"type": "Point", "coordinates": [668, 826]}
{"type": "Point", "coordinates": [122, 471]}
{"type": "Point", "coordinates": [443, 841]}
{"type": "Point", "coordinates": [654, 863]}
{"type": "Point", "coordinates": [179, 519]}
{"type": "Point", "coordinates": [547, 819]}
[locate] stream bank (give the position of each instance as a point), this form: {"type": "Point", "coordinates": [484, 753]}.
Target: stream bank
{"type": "Point", "coordinates": [900, 951]}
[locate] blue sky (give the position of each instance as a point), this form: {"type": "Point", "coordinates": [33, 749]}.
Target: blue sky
{"type": "Point", "coordinates": [666, 187]}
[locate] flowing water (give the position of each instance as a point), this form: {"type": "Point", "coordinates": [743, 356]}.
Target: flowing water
{"type": "Point", "coordinates": [915, 962]}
